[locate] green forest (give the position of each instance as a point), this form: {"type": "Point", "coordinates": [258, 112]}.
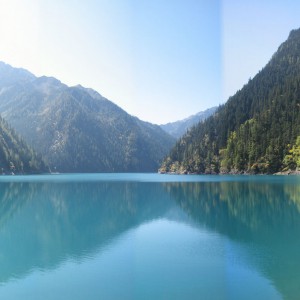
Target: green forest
{"type": "Point", "coordinates": [75, 129]}
{"type": "Point", "coordinates": [256, 131]}
{"type": "Point", "coordinates": [16, 157]}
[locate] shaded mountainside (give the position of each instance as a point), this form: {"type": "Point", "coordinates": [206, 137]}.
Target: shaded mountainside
{"type": "Point", "coordinates": [76, 129]}
{"type": "Point", "coordinates": [179, 128]}
{"type": "Point", "coordinates": [15, 155]}
{"type": "Point", "coordinates": [256, 130]}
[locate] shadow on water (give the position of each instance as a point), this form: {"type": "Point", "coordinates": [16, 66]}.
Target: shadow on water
{"type": "Point", "coordinates": [44, 224]}
{"type": "Point", "coordinates": [263, 217]}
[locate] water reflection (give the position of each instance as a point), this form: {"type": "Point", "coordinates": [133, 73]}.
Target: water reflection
{"type": "Point", "coordinates": [264, 217]}
{"type": "Point", "coordinates": [44, 224]}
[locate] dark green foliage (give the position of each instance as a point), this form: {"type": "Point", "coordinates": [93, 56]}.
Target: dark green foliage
{"type": "Point", "coordinates": [15, 155]}
{"type": "Point", "coordinates": [252, 131]}
{"type": "Point", "coordinates": [76, 129]}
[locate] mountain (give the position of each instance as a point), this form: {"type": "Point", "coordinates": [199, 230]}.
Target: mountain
{"type": "Point", "coordinates": [76, 129]}
{"type": "Point", "coordinates": [179, 128]}
{"type": "Point", "coordinates": [256, 131]}
{"type": "Point", "coordinates": [15, 155]}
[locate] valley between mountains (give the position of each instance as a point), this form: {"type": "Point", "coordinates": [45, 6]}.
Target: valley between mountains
{"type": "Point", "coordinates": [47, 126]}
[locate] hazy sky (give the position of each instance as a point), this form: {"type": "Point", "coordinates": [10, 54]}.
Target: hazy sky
{"type": "Point", "coordinates": [161, 60]}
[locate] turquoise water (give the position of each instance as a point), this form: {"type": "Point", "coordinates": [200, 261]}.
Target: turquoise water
{"type": "Point", "coordinates": [149, 236]}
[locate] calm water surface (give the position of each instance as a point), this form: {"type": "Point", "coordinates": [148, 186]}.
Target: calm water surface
{"type": "Point", "coordinates": [149, 236]}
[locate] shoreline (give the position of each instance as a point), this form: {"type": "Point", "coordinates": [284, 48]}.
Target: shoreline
{"type": "Point", "coordinates": [285, 173]}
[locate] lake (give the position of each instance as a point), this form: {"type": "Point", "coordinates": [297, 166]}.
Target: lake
{"type": "Point", "coordinates": [149, 236]}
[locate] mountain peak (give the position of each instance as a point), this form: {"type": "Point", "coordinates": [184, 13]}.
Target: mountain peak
{"type": "Point", "coordinates": [9, 74]}
{"type": "Point", "coordinates": [90, 91]}
{"type": "Point", "coordinates": [76, 129]}
{"type": "Point", "coordinates": [49, 79]}
{"type": "Point", "coordinates": [294, 34]}
{"type": "Point", "coordinates": [256, 130]}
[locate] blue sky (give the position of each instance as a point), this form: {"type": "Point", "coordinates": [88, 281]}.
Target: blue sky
{"type": "Point", "coordinates": [160, 60]}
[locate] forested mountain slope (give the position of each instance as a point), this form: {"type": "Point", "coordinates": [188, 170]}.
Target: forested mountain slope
{"type": "Point", "coordinates": [179, 128]}
{"type": "Point", "coordinates": [76, 129]}
{"type": "Point", "coordinates": [16, 157]}
{"type": "Point", "coordinates": [256, 130]}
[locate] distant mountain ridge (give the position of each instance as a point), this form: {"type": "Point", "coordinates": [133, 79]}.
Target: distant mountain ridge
{"type": "Point", "coordinates": [179, 128]}
{"type": "Point", "coordinates": [256, 131]}
{"type": "Point", "coordinates": [76, 129]}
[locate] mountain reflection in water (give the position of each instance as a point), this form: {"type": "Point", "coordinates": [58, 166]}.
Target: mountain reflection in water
{"type": "Point", "coordinates": [44, 224]}
{"type": "Point", "coordinates": [262, 216]}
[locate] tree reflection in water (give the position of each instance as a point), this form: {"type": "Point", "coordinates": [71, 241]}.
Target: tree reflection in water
{"type": "Point", "coordinates": [43, 224]}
